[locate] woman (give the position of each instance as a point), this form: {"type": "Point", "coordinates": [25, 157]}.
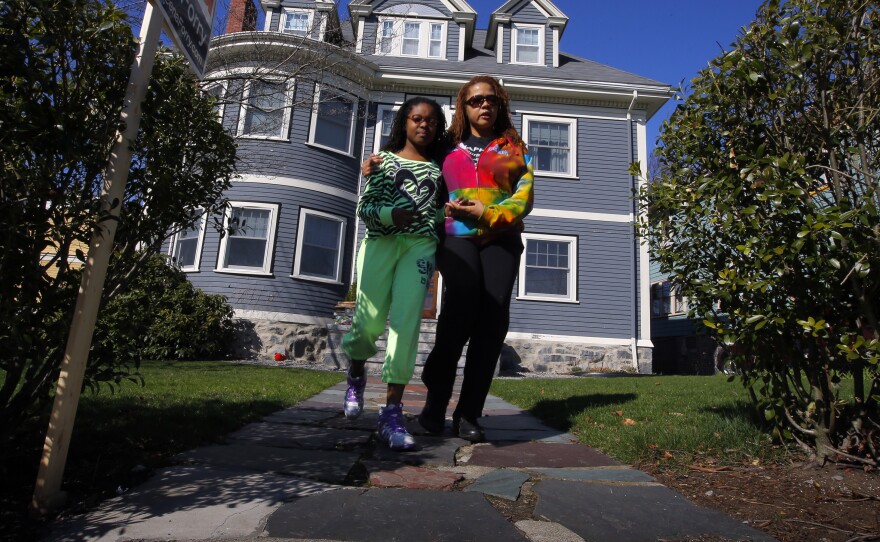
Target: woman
{"type": "Point", "coordinates": [489, 177]}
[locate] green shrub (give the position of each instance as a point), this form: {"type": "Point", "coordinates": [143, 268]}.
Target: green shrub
{"type": "Point", "coordinates": [162, 316]}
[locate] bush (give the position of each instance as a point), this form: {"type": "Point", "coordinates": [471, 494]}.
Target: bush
{"type": "Point", "coordinates": [162, 316]}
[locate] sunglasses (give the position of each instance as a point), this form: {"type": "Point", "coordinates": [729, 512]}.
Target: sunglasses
{"type": "Point", "coordinates": [477, 101]}
{"type": "Point", "coordinates": [430, 121]}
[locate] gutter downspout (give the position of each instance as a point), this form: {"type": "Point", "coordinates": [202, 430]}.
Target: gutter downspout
{"type": "Point", "coordinates": [635, 290]}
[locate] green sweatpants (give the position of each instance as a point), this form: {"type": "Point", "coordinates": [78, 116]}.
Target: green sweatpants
{"type": "Point", "coordinates": [393, 273]}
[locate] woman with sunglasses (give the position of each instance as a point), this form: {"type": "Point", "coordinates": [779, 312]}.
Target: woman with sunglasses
{"type": "Point", "coordinates": [488, 174]}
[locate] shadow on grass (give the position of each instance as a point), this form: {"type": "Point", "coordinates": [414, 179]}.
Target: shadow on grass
{"type": "Point", "coordinates": [116, 443]}
{"type": "Point", "coordinates": [559, 413]}
{"type": "Point", "coordinates": [740, 411]}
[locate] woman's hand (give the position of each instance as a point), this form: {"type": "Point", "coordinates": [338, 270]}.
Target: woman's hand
{"type": "Point", "coordinates": [371, 165]}
{"type": "Point", "coordinates": [403, 217]}
{"type": "Point", "coordinates": [462, 208]}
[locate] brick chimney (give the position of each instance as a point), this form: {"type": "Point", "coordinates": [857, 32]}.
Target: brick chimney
{"type": "Point", "coordinates": [242, 16]}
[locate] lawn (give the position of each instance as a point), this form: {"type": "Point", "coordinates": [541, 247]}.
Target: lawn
{"type": "Point", "coordinates": [678, 419]}
{"type": "Point", "coordinates": [120, 435]}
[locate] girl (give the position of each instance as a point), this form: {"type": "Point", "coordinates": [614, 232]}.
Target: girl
{"type": "Point", "coordinates": [401, 208]}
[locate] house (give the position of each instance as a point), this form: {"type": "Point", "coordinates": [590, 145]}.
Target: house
{"type": "Point", "coordinates": [309, 96]}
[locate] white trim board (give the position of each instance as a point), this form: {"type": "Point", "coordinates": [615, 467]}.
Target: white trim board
{"type": "Point", "coordinates": [280, 317]}
{"type": "Point", "coordinates": [298, 183]}
{"type": "Point", "coordinates": [580, 215]}
{"type": "Point", "coordinates": [578, 339]}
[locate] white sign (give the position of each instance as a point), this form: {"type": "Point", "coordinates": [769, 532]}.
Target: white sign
{"type": "Point", "coordinates": [190, 23]}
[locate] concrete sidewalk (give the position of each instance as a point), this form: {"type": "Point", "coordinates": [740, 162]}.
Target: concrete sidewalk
{"type": "Point", "coordinates": [307, 473]}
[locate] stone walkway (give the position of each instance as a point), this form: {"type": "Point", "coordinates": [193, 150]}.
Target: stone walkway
{"type": "Point", "coordinates": [307, 473]}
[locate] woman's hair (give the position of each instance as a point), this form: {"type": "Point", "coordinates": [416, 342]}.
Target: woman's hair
{"type": "Point", "coordinates": [397, 139]}
{"type": "Point", "coordinates": [461, 127]}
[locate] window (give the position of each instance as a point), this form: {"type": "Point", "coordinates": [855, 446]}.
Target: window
{"type": "Point", "coordinates": [386, 40]}
{"type": "Point", "coordinates": [401, 37]}
{"type": "Point", "coordinates": [551, 142]}
{"type": "Point", "coordinates": [528, 44]}
{"type": "Point", "coordinates": [333, 121]}
{"type": "Point", "coordinates": [666, 299]}
{"type": "Point", "coordinates": [186, 247]}
{"type": "Point", "coordinates": [296, 22]}
{"type": "Point", "coordinates": [266, 110]}
{"type": "Point", "coordinates": [250, 237]}
{"type": "Point", "coordinates": [435, 44]}
{"type": "Point", "coordinates": [319, 246]}
{"type": "Point", "coordinates": [548, 269]}
{"type": "Point", "coordinates": [218, 92]}
{"type": "Point", "coordinates": [385, 118]}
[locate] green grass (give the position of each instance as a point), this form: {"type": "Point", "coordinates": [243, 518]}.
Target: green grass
{"type": "Point", "coordinates": [672, 419]}
{"type": "Point", "coordinates": [181, 405]}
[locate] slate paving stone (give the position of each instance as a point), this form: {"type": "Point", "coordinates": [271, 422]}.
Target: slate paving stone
{"type": "Point", "coordinates": [324, 465]}
{"type": "Point", "coordinates": [517, 422]}
{"type": "Point", "coordinates": [596, 474]}
{"type": "Point", "coordinates": [391, 474]}
{"type": "Point", "coordinates": [301, 415]}
{"type": "Point", "coordinates": [430, 451]}
{"type": "Point", "coordinates": [299, 436]}
{"type": "Point", "coordinates": [393, 515]}
{"type": "Point", "coordinates": [599, 512]}
{"type": "Point", "coordinates": [528, 435]}
{"type": "Point", "coordinates": [367, 421]}
{"type": "Point", "coordinates": [546, 531]}
{"type": "Point", "coordinates": [195, 502]}
{"type": "Point", "coordinates": [316, 404]}
{"type": "Point", "coordinates": [538, 454]}
{"type": "Point", "coordinates": [504, 483]}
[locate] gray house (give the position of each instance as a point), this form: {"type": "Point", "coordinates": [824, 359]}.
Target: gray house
{"type": "Point", "coordinates": [309, 96]}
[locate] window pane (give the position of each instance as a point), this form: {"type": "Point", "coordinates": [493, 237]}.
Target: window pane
{"type": "Point", "coordinates": [296, 23]}
{"type": "Point", "coordinates": [549, 143]}
{"type": "Point", "coordinates": [547, 268]}
{"type": "Point", "coordinates": [265, 110]}
{"type": "Point", "coordinates": [436, 41]}
{"type": "Point", "coordinates": [411, 33]}
{"type": "Point", "coordinates": [387, 36]}
{"type": "Point", "coordinates": [333, 123]}
{"type": "Point", "coordinates": [387, 121]}
{"type": "Point", "coordinates": [185, 252]}
{"type": "Point", "coordinates": [247, 222]}
{"type": "Point", "coordinates": [320, 250]}
{"type": "Point", "coordinates": [527, 46]}
{"type": "Point", "coordinates": [245, 252]}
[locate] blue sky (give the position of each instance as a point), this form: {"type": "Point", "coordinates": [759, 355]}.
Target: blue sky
{"type": "Point", "coordinates": [668, 41]}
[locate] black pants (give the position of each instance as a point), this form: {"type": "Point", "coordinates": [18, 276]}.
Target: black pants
{"type": "Point", "coordinates": [478, 282]}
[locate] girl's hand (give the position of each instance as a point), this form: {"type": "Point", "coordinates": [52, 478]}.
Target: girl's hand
{"type": "Point", "coordinates": [371, 165]}
{"type": "Point", "coordinates": [462, 208]}
{"type": "Point", "coordinates": [403, 217]}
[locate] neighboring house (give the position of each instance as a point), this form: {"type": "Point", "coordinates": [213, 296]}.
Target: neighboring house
{"type": "Point", "coordinates": [681, 345]}
{"type": "Point", "coordinates": [582, 297]}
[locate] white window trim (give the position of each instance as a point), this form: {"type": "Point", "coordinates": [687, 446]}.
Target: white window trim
{"type": "Point", "coordinates": [300, 232]}
{"type": "Point", "coordinates": [573, 268]}
{"type": "Point", "coordinates": [573, 138]}
{"type": "Point", "coordinates": [514, 57]}
{"type": "Point", "coordinates": [266, 268]}
{"type": "Point", "coordinates": [202, 221]}
{"type": "Point", "coordinates": [424, 37]}
{"type": "Point", "coordinates": [285, 123]}
{"type": "Point", "coordinates": [314, 122]}
{"type": "Point", "coordinates": [309, 23]}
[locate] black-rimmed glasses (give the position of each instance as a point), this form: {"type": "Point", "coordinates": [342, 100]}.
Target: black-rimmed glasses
{"type": "Point", "coordinates": [430, 121]}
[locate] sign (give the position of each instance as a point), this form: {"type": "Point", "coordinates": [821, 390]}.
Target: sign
{"type": "Point", "coordinates": [191, 23]}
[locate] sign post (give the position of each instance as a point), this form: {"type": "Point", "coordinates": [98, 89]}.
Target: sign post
{"type": "Point", "coordinates": [47, 491]}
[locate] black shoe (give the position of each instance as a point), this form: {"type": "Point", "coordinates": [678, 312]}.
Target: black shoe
{"type": "Point", "coordinates": [431, 424]}
{"type": "Point", "coordinates": [468, 430]}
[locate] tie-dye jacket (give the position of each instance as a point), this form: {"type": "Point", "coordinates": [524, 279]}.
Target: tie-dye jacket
{"type": "Point", "coordinates": [501, 180]}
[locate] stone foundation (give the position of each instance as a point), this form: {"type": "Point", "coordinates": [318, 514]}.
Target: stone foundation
{"type": "Point", "coordinates": [529, 356]}
{"type": "Point", "coordinates": [262, 339]}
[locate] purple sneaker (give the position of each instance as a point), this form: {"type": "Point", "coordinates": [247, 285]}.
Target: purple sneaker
{"type": "Point", "coordinates": [354, 396]}
{"type": "Point", "coordinates": [392, 430]}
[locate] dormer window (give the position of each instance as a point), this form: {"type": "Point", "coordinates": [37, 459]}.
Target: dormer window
{"type": "Point", "coordinates": [528, 44]}
{"type": "Point", "coordinates": [297, 22]}
{"type": "Point", "coordinates": [411, 37]}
